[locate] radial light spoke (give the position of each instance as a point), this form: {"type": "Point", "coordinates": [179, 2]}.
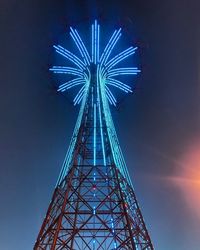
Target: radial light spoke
{"type": "Point", "coordinates": [109, 93]}
{"type": "Point", "coordinates": [70, 56]}
{"type": "Point", "coordinates": [109, 47]}
{"type": "Point", "coordinates": [106, 67]}
{"type": "Point", "coordinates": [119, 85]}
{"type": "Point", "coordinates": [126, 91]}
{"type": "Point", "coordinates": [67, 70]}
{"type": "Point", "coordinates": [123, 71]}
{"type": "Point", "coordinates": [121, 56]}
{"type": "Point", "coordinates": [94, 205]}
{"type": "Point", "coordinates": [71, 84]}
{"type": "Point", "coordinates": [79, 43]}
{"type": "Point", "coordinates": [79, 95]}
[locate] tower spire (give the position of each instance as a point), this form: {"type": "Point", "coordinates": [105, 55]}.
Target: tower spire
{"type": "Point", "coordinates": [94, 205]}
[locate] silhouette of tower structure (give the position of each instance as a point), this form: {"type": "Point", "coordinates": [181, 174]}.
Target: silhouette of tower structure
{"type": "Point", "coordinates": [94, 205]}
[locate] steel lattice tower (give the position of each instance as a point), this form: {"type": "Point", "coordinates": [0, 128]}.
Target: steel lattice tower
{"type": "Point", "coordinates": [94, 205]}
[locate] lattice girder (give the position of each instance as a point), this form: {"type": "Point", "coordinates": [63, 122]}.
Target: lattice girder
{"type": "Point", "coordinates": [94, 206]}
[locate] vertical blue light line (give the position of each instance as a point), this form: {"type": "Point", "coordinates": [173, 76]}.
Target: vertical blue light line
{"type": "Point", "coordinates": [92, 42]}
{"type": "Point", "coordinates": [100, 106]}
{"type": "Point", "coordinates": [95, 134]}
{"type": "Point", "coordinates": [94, 241]}
{"type": "Point", "coordinates": [100, 118]}
{"type": "Point", "coordinates": [95, 41]}
{"type": "Point", "coordinates": [98, 46]}
{"type": "Point", "coordinates": [113, 231]}
{"type": "Point", "coordinates": [111, 130]}
{"type": "Point", "coordinates": [92, 97]}
{"type": "Point", "coordinates": [102, 139]}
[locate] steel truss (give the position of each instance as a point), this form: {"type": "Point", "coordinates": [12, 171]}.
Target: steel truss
{"type": "Point", "coordinates": [94, 206]}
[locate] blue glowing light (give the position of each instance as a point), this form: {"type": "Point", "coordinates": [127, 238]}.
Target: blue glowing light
{"type": "Point", "coordinates": [94, 134]}
{"type": "Point", "coordinates": [95, 73]}
{"type": "Point", "coordinates": [107, 71]}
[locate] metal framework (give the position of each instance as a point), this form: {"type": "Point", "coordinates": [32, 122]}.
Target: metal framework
{"type": "Point", "coordinates": [94, 205]}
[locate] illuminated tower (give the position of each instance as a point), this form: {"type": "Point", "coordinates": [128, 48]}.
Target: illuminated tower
{"type": "Point", "coordinates": [94, 205]}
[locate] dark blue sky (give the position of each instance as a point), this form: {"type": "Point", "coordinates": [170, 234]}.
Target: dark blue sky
{"type": "Point", "coordinates": [156, 125]}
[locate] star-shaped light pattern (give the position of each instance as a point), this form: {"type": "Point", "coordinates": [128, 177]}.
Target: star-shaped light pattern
{"type": "Point", "coordinates": [107, 67]}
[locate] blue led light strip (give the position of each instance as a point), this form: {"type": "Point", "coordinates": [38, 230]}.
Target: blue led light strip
{"type": "Point", "coordinates": [88, 59]}
{"type": "Point", "coordinates": [95, 121]}
{"type": "Point", "coordinates": [105, 71]}
{"type": "Point", "coordinates": [111, 96]}
{"type": "Point", "coordinates": [121, 56]}
{"type": "Point", "coordinates": [92, 43]}
{"type": "Point", "coordinates": [98, 45]}
{"type": "Point", "coordinates": [106, 112]}
{"type": "Point", "coordinates": [111, 46]}
{"type": "Point", "coordinates": [107, 67]}
{"type": "Point", "coordinates": [119, 85]}
{"type": "Point", "coordinates": [69, 156]}
{"type": "Point", "coordinates": [95, 42]}
{"type": "Point", "coordinates": [67, 70]}
{"type": "Point", "coordinates": [123, 71]}
{"type": "Point", "coordinates": [75, 36]}
{"type": "Point", "coordinates": [79, 96]}
{"type": "Point", "coordinates": [100, 118]}
{"type": "Point", "coordinates": [70, 56]}
{"type": "Point", "coordinates": [113, 231]}
{"type": "Point", "coordinates": [71, 84]}
{"type": "Point", "coordinates": [108, 49]}
{"type": "Point", "coordinates": [116, 150]}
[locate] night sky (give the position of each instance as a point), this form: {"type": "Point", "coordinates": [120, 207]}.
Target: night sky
{"type": "Point", "coordinates": [158, 126]}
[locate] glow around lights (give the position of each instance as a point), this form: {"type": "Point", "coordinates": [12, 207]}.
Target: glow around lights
{"type": "Point", "coordinates": [108, 69]}
{"type": "Point", "coordinates": [95, 75]}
